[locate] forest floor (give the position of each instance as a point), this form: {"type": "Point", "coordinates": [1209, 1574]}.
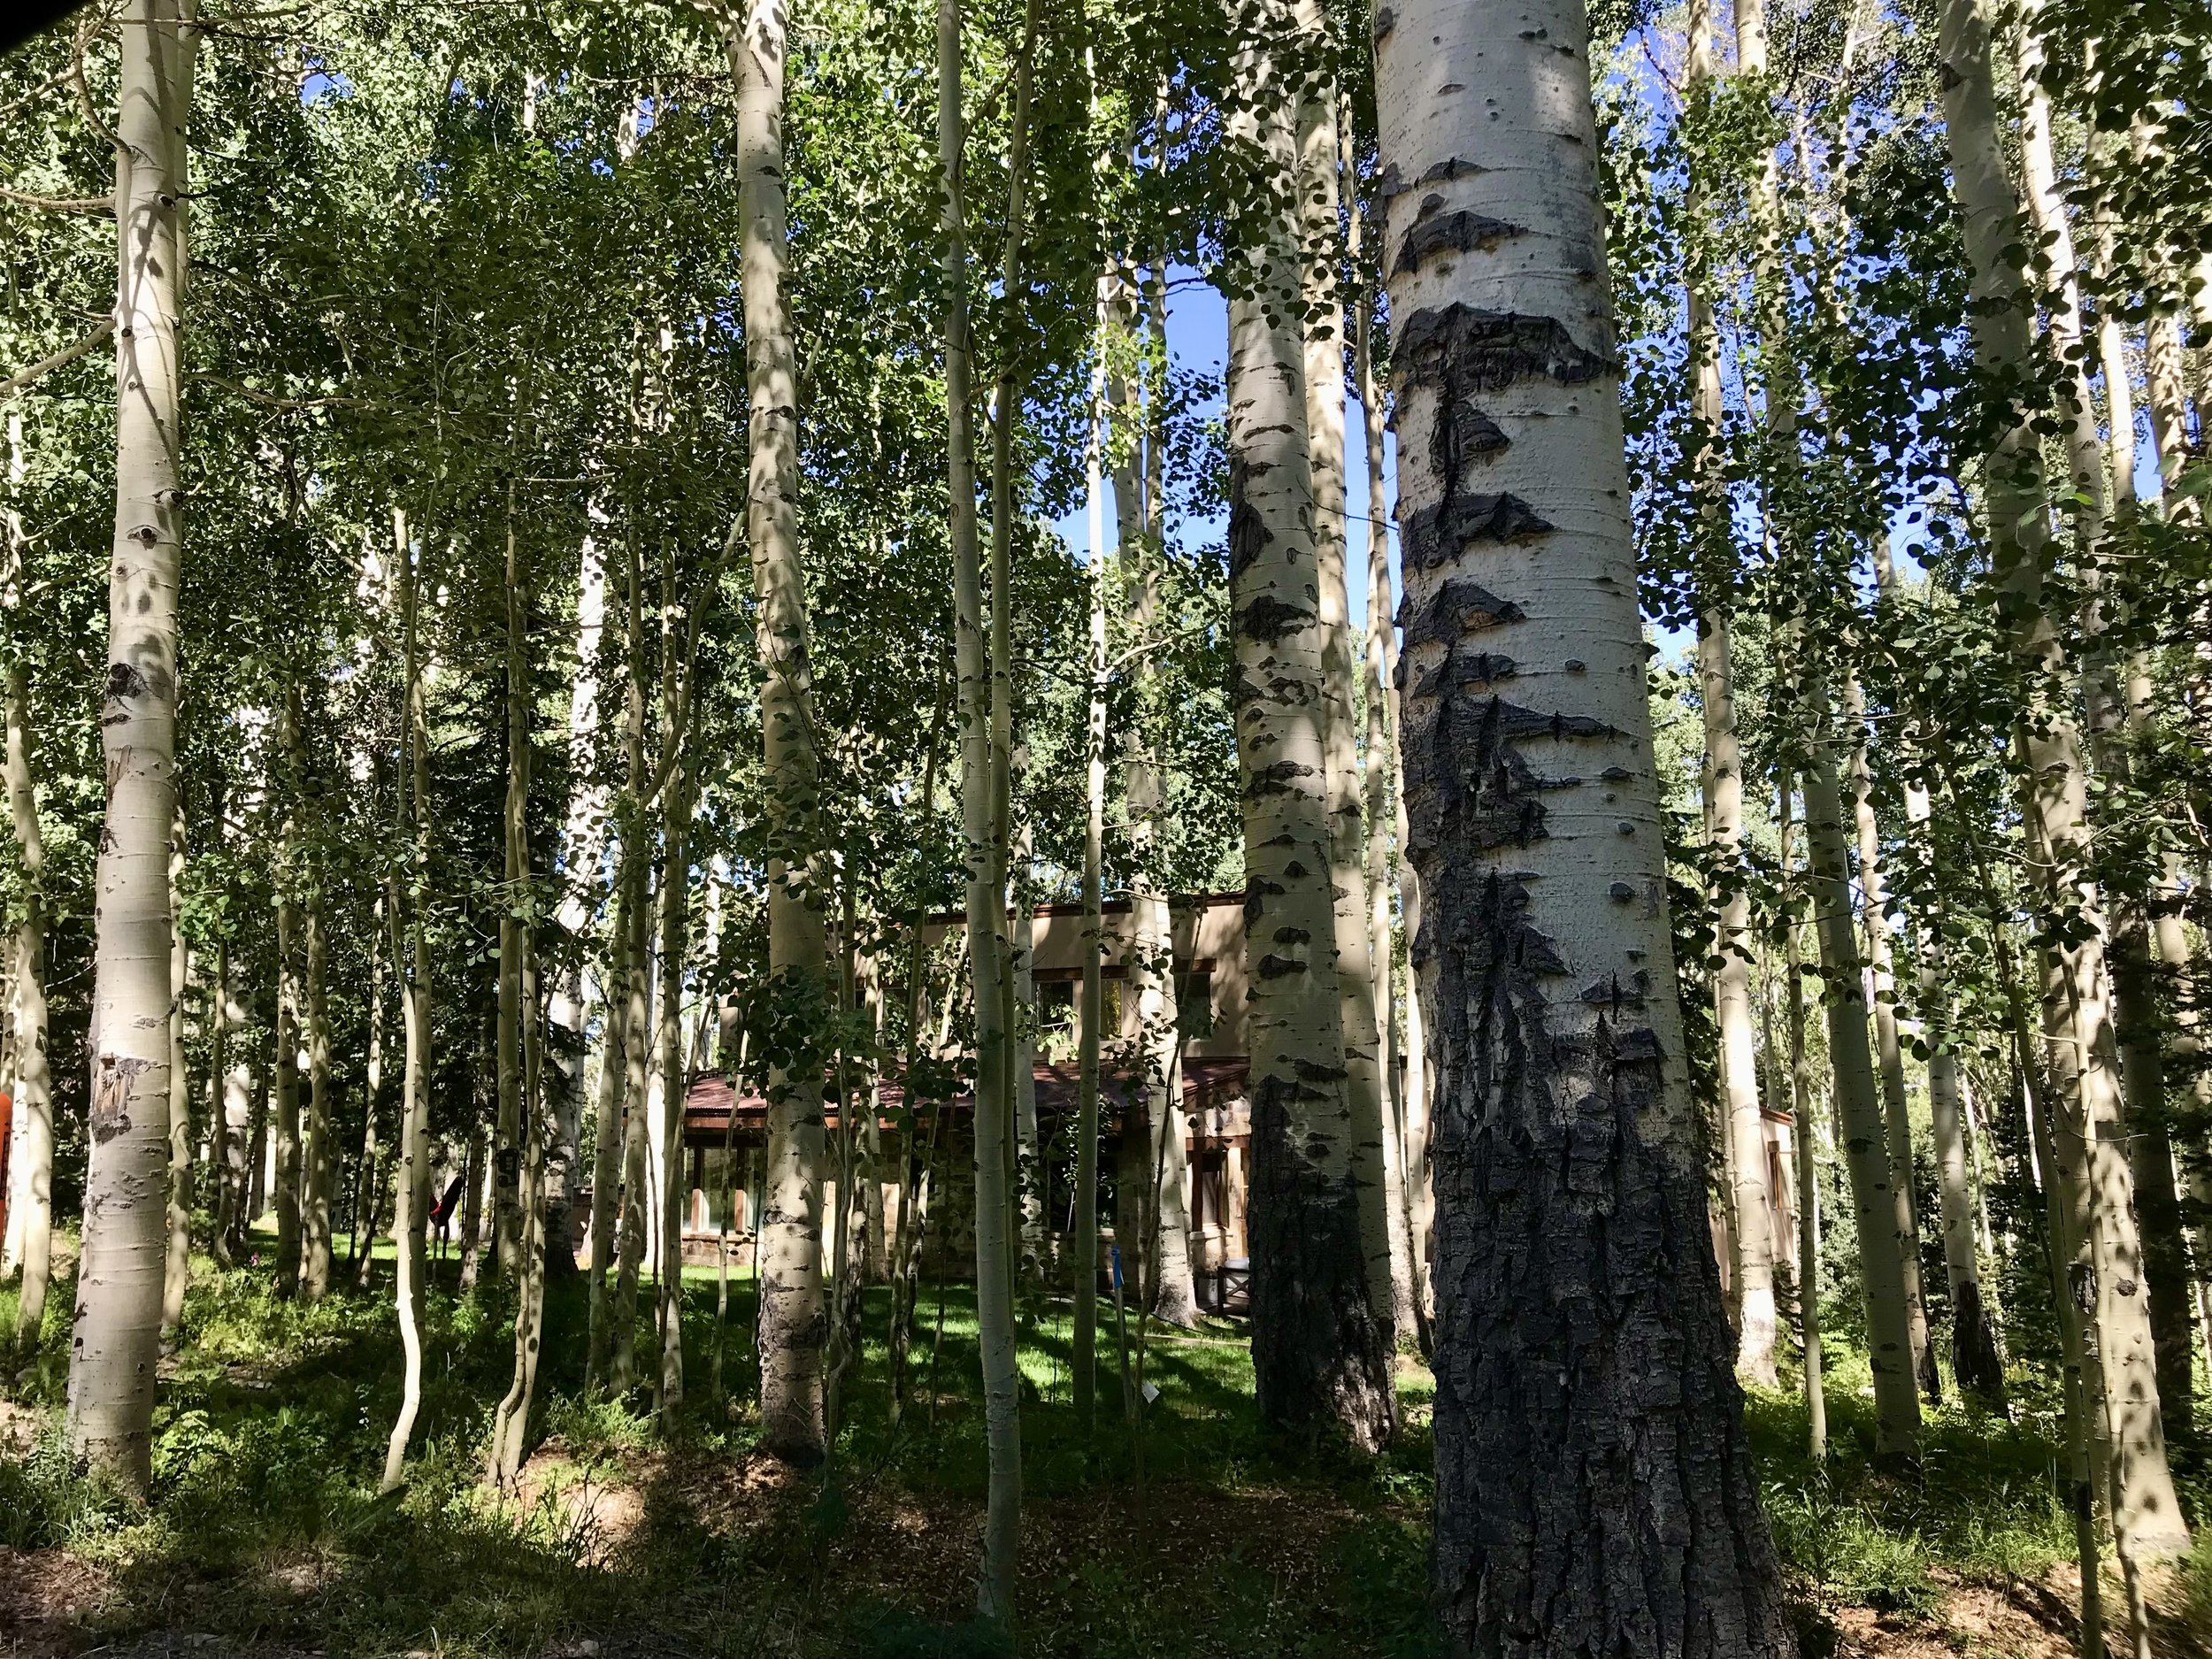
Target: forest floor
{"type": "Point", "coordinates": [1199, 1536]}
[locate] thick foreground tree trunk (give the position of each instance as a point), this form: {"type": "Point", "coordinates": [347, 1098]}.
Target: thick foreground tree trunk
{"type": "Point", "coordinates": [1596, 1490]}
{"type": "Point", "coordinates": [1320, 1354]}
{"type": "Point", "coordinates": [793, 1328]}
{"type": "Point", "coordinates": [117, 1328]}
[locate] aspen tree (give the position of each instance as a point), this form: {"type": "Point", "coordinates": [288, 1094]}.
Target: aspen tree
{"type": "Point", "coordinates": [668, 1041]}
{"type": "Point", "coordinates": [1809, 1274]}
{"type": "Point", "coordinates": [116, 1327]}
{"type": "Point", "coordinates": [285, 1067]}
{"type": "Point", "coordinates": [1149, 962]}
{"type": "Point", "coordinates": [177, 1262]}
{"type": "Point", "coordinates": [1889, 1055]}
{"type": "Point", "coordinates": [32, 1212]}
{"type": "Point", "coordinates": [994, 1202]}
{"type": "Point", "coordinates": [1083, 1360]}
{"type": "Point", "coordinates": [413, 827]}
{"type": "Point", "coordinates": [1752, 1285]}
{"type": "Point", "coordinates": [1565, 1520]}
{"type": "Point", "coordinates": [2146, 1517]}
{"type": "Point", "coordinates": [1321, 251]}
{"type": "Point", "coordinates": [1320, 1354]}
{"type": "Point", "coordinates": [318, 1157]}
{"type": "Point", "coordinates": [1408, 1314]}
{"type": "Point", "coordinates": [1859, 1125]}
{"type": "Point", "coordinates": [635, 878]}
{"type": "Point", "coordinates": [226, 1090]}
{"type": "Point", "coordinates": [2114, 696]}
{"type": "Point", "coordinates": [790, 1284]}
{"type": "Point", "coordinates": [606, 1165]}
{"type": "Point", "coordinates": [1385, 797]}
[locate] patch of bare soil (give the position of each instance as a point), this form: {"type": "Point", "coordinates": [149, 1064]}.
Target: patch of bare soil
{"type": "Point", "coordinates": [43, 1592]}
{"type": "Point", "coordinates": [2024, 1620]}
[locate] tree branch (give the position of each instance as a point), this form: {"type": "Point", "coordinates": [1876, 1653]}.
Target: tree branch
{"type": "Point", "coordinates": [60, 360]}
{"type": "Point", "coordinates": [59, 204]}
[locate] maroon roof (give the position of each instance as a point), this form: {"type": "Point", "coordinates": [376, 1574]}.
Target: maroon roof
{"type": "Point", "coordinates": [1210, 1081]}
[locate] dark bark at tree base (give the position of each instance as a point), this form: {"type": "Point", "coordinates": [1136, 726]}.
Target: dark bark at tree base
{"type": "Point", "coordinates": [1319, 1364]}
{"type": "Point", "coordinates": [1596, 1490]}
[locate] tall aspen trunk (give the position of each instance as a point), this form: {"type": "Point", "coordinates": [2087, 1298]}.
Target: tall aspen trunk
{"type": "Point", "coordinates": [1320, 1348]}
{"type": "Point", "coordinates": [1889, 1053]}
{"type": "Point", "coordinates": [507, 1152]}
{"type": "Point", "coordinates": [982, 821]}
{"type": "Point", "coordinates": [793, 1328]}
{"type": "Point", "coordinates": [1320, 254]}
{"type": "Point", "coordinates": [1564, 1116]}
{"type": "Point", "coordinates": [1881, 1226]}
{"type": "Point", "coordinates": [676, 1182]}
{"type": "Point", "coordinates": [606, 1164]}
{"type": "Point", "coordinates": [1083, 1364]}
{"type": "Point", "coordinates": [1977, 1362]}
{"type": "Point", "coordinates": [2138, 1040]}
{"type": "Point", "coordinates": [1809, 1274]}
{"type": "Point", "coordinates": [285, 1068]}
{"type": "Point", "coordinates": [1022, 1062]}
{"type": "Point", "coordinates": [225, 1139]}
{"type": "Point", "coordinates": [636, 1069]}
{"type": "Point", "coordinates": [1751, 1282]}
{"type": "Point", "coordinates": [520, 1062]}
{"type": "Point", "coordinates": [994, 1199]}
{"type": "Point", "coordinates": [1409, 1079]}
{"type": "Point", "coordinates": [2146, 1516]}
{"type": "Point", "coordinates": [34, 1081]}
{"type": "Point", "coordinates": [176, 1272]}
{"type": "Point", "coordinates": [368, 1181]}
{"type": "Point", "coordinates": [115, 1332]}
{"type": "Point", "coordinates": [318, 1155]}
{"type": "Point", "coordinates": [583, 846]}
{"type": "Point", "coordinates": [1408, 1301]}
{"type": "Point", "coordinates": [1149, 962]}
{"type": "Point", "coordinates": [412, 1184]}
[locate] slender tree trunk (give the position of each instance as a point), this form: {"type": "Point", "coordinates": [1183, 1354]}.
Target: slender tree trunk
{"type": "Point", "coordinates": [115, 1331]}
{"type": "Point", "coordinates": [983, 823]}
{"type": "Point", "coordinates": [319, 1154]}
{"type": "Point", "coordinates": [1321, 253]}
{"type": "Point", "coordinates": [408, 1249]}
{"type": "Point", "coordinates": [1888, 1050]}
{"type": "Point", "coordinates": [792, 1329]}
{"type": "Point", "coordinates": [1407, 1294]}
{"type": "Point", "coordinates": [676, 1184]}
{"type": "Point", "coordinates": [1320, 1348]}
{"type": "Point", "coordinates": [583, 847]}
{"type": "Point", "coordinates": [224, 1163]}
{"type": "Point", "coordinates": [1084, 1223]}
{"type": "Point", "coordinates": [1976, 1360]}
{"type": "Point", "coordinates": [606, 1165]}
{"type": "Point", "coordinates": [2146, 1518]}
{"type": "Point", "coordinates": [33, 1084]}
{"type": "Point", "coordinates": [1022, 1064]}
{"type": "Point", "coordinates": [1564, 1116]}
{"type": "Point", "coordinates": [1883, 1240]}
{"type": "Point", "coordinates": [369, 1178]}
{"type": "Point", "coordinates": [1751, 1285]}
{"type": "Point", "coordinates": [1808, 1275]}
{"type": "Point", "coordinates": [511, 1421]}
{"type": "Point", "coordinates": [177, 1263]}
{"type": "Point", "coordinates": [284, 1108]}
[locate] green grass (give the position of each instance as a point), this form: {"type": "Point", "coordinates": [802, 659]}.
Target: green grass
{"type": "Point", "coordinates": [265, 1526]}
{"type": "Point", "coordinates": [1200, 1535]}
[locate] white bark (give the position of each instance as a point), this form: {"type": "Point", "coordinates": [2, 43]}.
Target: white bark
{"type": "Point", "coordinates": [116, 1329]}
{"type": "Point", "coordinates": [791, 1328]}
{"type": "Point", "coordinates": [1320, 253]}
{"type": "Point", "coordinates": [2146, 1518]}
{"type": "Point", "coordinates": [1320, 1347]}
{"type": "Point", "coordinates": [1564, 1118]}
